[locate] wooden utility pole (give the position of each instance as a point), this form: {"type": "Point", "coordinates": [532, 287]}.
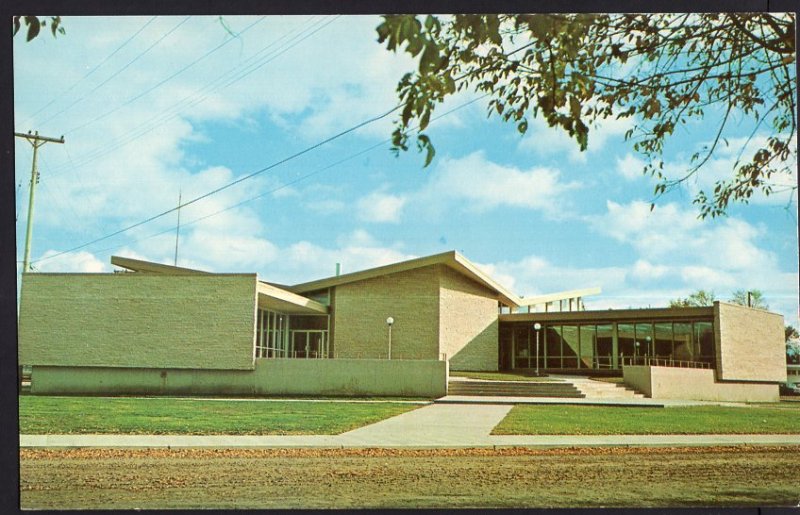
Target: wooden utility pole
{"type": "Point", "coordinates": [36, 141]}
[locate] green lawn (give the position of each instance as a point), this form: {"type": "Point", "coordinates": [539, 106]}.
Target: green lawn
{"type": "Point", "coordinates": [610, 420]}
{"type": "Point", "coordinates": [503, 376]}
{"type": "Point", "coordinates": [103, 415]}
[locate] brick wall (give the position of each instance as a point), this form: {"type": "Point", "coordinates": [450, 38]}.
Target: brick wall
{"type": "Point", "coordinates": [361, 308]}
{"type": "Point", "coordinates": [468, 323]}
{"type": "Point", "coordinates": [138, 320]}
{"type": "Point", "coordinates": [750, 344]}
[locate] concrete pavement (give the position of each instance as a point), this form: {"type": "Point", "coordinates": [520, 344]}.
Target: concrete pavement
{"type": "Point", "coordinates": [433, 426]}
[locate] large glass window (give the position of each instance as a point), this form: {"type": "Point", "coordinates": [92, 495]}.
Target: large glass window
{"type": "Point", "coordinates": [588, 344]}
{"type": "Point", "coordinates": [663, 340]}
{"type": "Point", "coordinates": [626, 347]}
{"type": "Point", "coordinates": [704, 340]}
{"type": "Point", "coordinates": [605, 345]}
{"type": "Point", "coordinates": [569, 346]}
{"type": "Point", "coordinates": [644, 335]}
{"type": "Point", "coordinates": [553, 346]}
{"type": "Point", "coordinates": [682, 336]}
{"type": "Point", "coordinates": [522, 345]}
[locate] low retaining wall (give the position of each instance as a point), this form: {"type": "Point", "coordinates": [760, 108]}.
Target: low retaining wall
{"type": "Point", "coordinates": [328, 377]}
{"type": "Point", "coordinates": [697, 384]}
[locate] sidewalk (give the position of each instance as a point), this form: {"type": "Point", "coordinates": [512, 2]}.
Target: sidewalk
{"type": "Point", "coordinates": [433, 426]}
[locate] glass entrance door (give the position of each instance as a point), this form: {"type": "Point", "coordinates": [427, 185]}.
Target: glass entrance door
{"type": "Point", "coordinates": [309, 344]}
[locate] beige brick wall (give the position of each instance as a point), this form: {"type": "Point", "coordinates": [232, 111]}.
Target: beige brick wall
{"type": "Point", "coordinates": [750, 344]}
{"type": "Point", "coordinates": [138, 320]}
{"type": "Point", "coordinates": [694, 384]}
{"type": "Point", "coordinates": [361, 308]}
{"type": "Point", "coordinates": [468, 322]}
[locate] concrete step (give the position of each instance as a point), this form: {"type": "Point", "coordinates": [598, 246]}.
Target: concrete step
{"type": "Point", "coordinates": [513, 389]}
{"type": "Point", "coordinates": [602, 390]}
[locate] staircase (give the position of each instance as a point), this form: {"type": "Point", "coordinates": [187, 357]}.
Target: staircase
{"type": "Point", "coordinates": [602, 390]}
{"type": "Point", "coordinates": [514, 389]}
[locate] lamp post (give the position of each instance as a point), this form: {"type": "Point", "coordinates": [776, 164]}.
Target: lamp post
{"type": "Point", "coordinates": [537, 326]}
{"type": "Point", "coordinates": [635, 352]}
{"type": "Point", "coordinates": [389, 322]}
{"type": "Point", "coordinates": [647, 351]}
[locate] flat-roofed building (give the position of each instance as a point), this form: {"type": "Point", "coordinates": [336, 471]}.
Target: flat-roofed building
{"type": "Point", "coordinates": [393, 330]}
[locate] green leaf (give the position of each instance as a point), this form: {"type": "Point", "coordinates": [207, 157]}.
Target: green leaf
{"type": "Point", "coordinates": [522, 126]}
{"type": "Point", "coordinates": [33, 27]}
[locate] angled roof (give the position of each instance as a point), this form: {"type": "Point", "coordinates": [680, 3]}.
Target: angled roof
{"type": "Point", "coordinates": [269, 296]}
{"type": "Point", "coordinates": [137, 265]}
{"type": "Point", "coordinates": [451, 259]}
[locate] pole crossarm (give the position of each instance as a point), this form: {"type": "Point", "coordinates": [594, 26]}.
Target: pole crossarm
{"type": "Point", "coordinates": [35, 136]}
{"type": "Point", "coordinates": [36, 141]}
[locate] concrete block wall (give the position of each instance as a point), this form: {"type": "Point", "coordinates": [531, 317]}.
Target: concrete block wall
{"type": "Point", "coordinates": [138, 320]}
{"type": "Point", "coordinates": [334, 377]}
{"type": "Point", "coordinates": [694, 384]}
{"type": "Point", "coordinates": [468, 322]}
{"type": "Point", "coordinates": [750, 344]}
{"type": "Point", "coordinates": [360, 310]}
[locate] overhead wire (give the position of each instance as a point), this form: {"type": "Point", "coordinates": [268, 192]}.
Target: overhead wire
{"type": "Point", "coordinates": [160, 83]}
{"type": "Point", "coordinates": [115, 74]}
{"type": "Point", "coordinates": [285, 185]}
{"type": "Point", "coordinates": [94, 69]}
{"type": "Point", "coordinates": [192, 99]}
{"type": "Point", "coordinates": [230, 184]}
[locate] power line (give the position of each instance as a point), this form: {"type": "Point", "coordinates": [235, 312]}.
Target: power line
{"type": "Point", "coordinates": [285, 185]}
{"type": "Point", "coordinates": [230, 184]}
{"type": "Point", "coordinates": [159, 84]}
{"type": "Point", "coordinates": [202, 94]}
{"type": "Point", "coordinates": [125, 67]}
{"type": "Point", "coordinates": [101, 63]}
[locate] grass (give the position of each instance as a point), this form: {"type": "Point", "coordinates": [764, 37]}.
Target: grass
{"type": "Point", "coordinates": [107, 415]}
{"type": "Point", "coordinates": [609, 420]}
{"type": "Point", "coordinates": [504, 376]}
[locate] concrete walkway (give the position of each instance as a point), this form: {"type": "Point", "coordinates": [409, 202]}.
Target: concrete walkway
{"type": "Point", "coordinates": [433, 426]}
{"type": "Point", "coordinates": [612, 401]}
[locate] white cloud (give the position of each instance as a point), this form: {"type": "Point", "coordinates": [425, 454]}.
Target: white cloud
{"type": "Point", "coordinates": [554, 141]}
{"type": "Point", "coordinates": [484, 185]}
{"type": "Point", "coordinates": [630, 167]}
{"type": "Point", "coordinates": [380, 207]}
{"type": "Point", "coordinates": [78, 262]}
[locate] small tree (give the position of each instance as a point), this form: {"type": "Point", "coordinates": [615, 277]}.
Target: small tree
{"type": "Point", "coordinates": [756, 299]}
{"type": "Point", "coordinates": [696, 299]}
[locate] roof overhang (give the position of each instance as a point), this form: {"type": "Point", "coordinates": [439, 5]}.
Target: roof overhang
{"type": "Point", "coordinates": [277, 299]}
{"type": "Point", "coordinates": [451, 259]}
{"type": "Point", "coordinates": [561, 295]}
{"type": "Point", "coordinates": [137, 265]}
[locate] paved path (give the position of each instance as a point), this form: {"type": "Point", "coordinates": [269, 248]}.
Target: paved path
{"type": "Point", "coordinates": [611, 401]}
{"type": "Point", "coordinates": [436, 425]}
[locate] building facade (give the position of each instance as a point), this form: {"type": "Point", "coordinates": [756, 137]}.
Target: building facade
{"type": "Point", "coordinates": [159, 329]}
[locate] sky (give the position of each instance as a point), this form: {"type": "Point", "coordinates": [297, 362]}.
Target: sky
{"type": "Point", "coordinates": [153, 109]}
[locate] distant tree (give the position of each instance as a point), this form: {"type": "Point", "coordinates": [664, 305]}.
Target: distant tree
{"type": "Point", "coordinates": [756, 299]}
{"type": "Point", "coordinates": [791, 333]}
{"type": "Point", "coordinates": [36, 24]}
{"type": "Point", "coordinates": [663, 71]}
{"type": "Point", "coordinates": [697, 299]}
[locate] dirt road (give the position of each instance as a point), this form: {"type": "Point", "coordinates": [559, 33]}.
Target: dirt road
{"type": "Point", "coordinates": [382, 478]}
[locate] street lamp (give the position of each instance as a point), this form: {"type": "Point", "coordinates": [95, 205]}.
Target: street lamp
{"type": "Point", "coordinates": [389, 322]}
{"type": "Point", "coordinates": [537, 326]}
{"type": "Point", "coordinates": [635, 351]}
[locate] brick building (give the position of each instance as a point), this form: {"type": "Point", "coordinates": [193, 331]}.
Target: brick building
{"type": "Point", "coordinates": [162, 329]}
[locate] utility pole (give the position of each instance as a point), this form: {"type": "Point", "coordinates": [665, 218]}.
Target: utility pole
{"type": "Point", "coordinates": [177, 229]}
{"type": "Point", "coordinates": [36, 141]}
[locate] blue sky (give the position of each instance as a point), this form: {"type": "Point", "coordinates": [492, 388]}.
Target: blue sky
{"type": "Point", "coordinates": [153, 107]}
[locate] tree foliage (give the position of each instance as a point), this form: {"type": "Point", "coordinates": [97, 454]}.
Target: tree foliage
{"type": "Point", "coordinates": [791, 333]}
{"type": "Point", "coordinates": [756, 299]}
{"type": "Point", "coordinates": [663, 71]}
{"type": "Point", "coordinates": [36, 24]}
{"type": "Point", "coordinates": [697, 299]}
